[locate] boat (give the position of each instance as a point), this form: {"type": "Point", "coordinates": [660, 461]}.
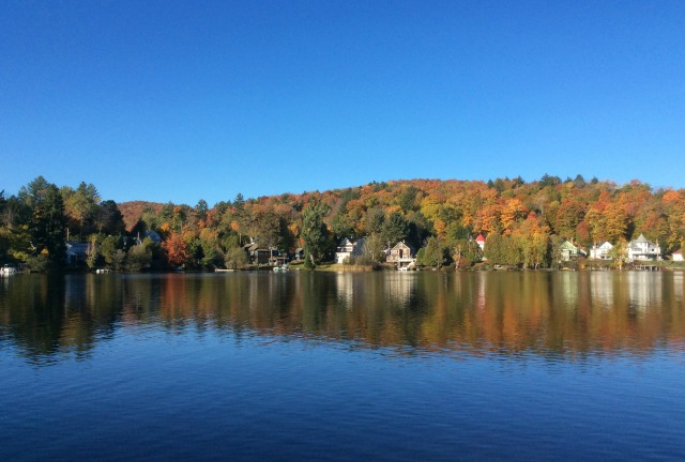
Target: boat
{"type": "Point", "coordinates": [281, 269]}
{"type": "Point", "coordinates": [410, 267]}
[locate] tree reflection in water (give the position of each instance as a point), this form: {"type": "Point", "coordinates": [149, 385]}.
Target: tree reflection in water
{"type": "Point", "coordinates": [552, 314]}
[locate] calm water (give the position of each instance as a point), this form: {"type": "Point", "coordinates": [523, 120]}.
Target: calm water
{"type": "Point", "coordinates": [382, 366]}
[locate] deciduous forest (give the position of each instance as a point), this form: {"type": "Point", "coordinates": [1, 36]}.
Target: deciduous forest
{"type": "Point", "coordinates": [523, 222]}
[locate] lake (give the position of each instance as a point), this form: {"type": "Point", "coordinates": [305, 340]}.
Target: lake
{"type": "Point", "coordinates": [515, 366]}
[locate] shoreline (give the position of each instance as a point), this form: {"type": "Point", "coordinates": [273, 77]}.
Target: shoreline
{"type": "Point", "coordinates": [344, 268]}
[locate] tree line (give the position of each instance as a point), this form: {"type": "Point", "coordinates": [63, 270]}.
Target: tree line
{"type": "Point", "coordinates": [524, 223]}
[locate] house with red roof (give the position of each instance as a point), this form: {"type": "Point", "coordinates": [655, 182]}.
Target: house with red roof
{"type": "Point", "coordinates": [480, 240]}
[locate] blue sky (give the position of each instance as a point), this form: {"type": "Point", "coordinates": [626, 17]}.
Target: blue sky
{"type": "Point", "coordinates": [181, 101]}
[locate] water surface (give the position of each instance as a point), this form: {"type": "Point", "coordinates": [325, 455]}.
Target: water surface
{"type": "Point", "coordinates": [381, 366]}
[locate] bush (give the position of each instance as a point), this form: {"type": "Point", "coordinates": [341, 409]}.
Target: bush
{"type": "Point", "coordinates": [37, 264]}
{"type": "Point", "coordinates": [139, 258]}
{"type": "Point", "coordinates": [236, 258]}
{"type": "Point", "coordinates": [309, 264]}
{"type": "Point", "coordinates": [363, 260]}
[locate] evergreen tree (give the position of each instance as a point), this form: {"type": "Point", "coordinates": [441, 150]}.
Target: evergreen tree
{"type": "Point", "coordinates": [394, 229]}
{"type": "Point", "coordinates": [433, 254]}
{"type": "Point", "coordinates": [314, 231]}
{"type": "Point", "coordinates": [48, 223]}
{"type": "Point", "coordinates": [201, 210]}
{"type": "Point", "coordinates": [108, 218]}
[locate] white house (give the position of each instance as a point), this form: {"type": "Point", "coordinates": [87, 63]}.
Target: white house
{"type": "Point", "coordinates": [348, 249]}
{"type": "Point", "coordinates": [677, 255]}
{"type": "Point", "coordinates": [603, 252]}
{"type": "Point", "coordinates": [568, 251]}
{"type": "Point", "coordinates": [642, 249]}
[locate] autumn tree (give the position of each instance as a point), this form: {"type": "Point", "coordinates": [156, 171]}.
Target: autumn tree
{"type": "Point", "coordinates": [494, 249]}
{"type": "Point", "coordinates": [512, 212]}
{"type": "Point", "coordinates": [615, 222]}
{"type": "Point", "coordinates": [80, 208]}
{"type": "Point", "coordinates": [619, 253]}
{"type": "Point", "coordinates": [176, 249]}
{"type": "Point", "coordinates": [532, 241]}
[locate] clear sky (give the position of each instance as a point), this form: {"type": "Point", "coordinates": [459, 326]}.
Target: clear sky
{"type": "Point", "coordinates": [186, 100]}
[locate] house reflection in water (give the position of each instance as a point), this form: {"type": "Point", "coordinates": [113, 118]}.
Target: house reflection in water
{"type": "Point", "coordinates": [678, 286]}
{"type": "Point", "coordinates": [399, 288]}
{"type": "Point", "coordinates": [570, 288]}
{"type": "Point", "coordinates": [344, 286]}
{"type": "Point", "coordinates": [602, 288]}
{"type": "Point", "coordinates": [355, 290]}
{"type": "Point", "coordinates": [644, 290]}
{"type": "Point", "coordinates": [480, 300]}
{"type": "Point", "coordinates": [637, 290]}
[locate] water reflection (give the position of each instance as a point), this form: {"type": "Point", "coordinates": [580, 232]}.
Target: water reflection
{"type": "Point", "coordinates": [678, 287]}
{"type": "Point", "coordinates": [566, 314]}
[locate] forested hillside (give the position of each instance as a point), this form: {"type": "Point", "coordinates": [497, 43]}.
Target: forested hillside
{"type": "Point", "coordinates": [524, 222]}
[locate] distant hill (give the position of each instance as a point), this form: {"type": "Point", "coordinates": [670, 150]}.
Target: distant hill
{"type": "Point", "coordinates": [133, 210]}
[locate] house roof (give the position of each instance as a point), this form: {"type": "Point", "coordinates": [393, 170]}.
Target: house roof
{"type": "Point", "coordinates": [403, 244]}
{"type": "Point", "coordinates": [154, 236]}
{"type": "Point", "coordinates": [641, 240]}
{"type": "Point", "coordinates": [480, 238]}
{"type": "Point", "coordinates": [345, 241]}
{"type": "Point", "coordinates": [77, 248]}
{"type": "Point", "coordinates": [568, 245]}
{"type": "Point", "coordinates": [347, 245]}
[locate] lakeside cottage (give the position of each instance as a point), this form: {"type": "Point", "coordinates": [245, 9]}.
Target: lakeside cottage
{"type": "Point", "coordinates": [677, 255]}
{"type": "Point", "coordinates": [480, 242]}
{"type": "Point", "coordinates": [642, 249]}
{"type": "Point", "coordinates": [261, 255]}
{"type": "Point", "coordinates": [77, 253]}
{"type": "Point", "coordinates": [601, 252]}
{"type": "Point", "coordinates": [402, 255]}
{"type": "Point", "coordinates": [568, 251]}
{"type": "Point", "coordinates": [348, 249]}
{"type": "Point", "coordinates": [153, 235]}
